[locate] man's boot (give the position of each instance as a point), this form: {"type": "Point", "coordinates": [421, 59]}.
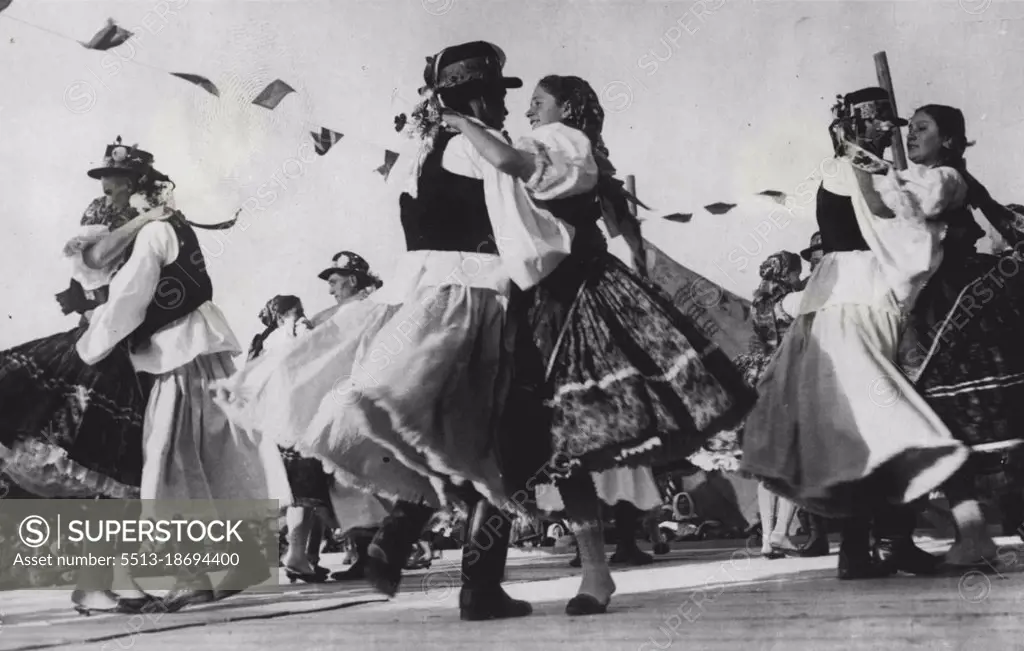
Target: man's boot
{"type": "Point", "coordinates": [627, 552]}
{"type": "Point", "coordinates": [855, 560]}
{"type": "Point", "coordinates": [389, 549]}
{"type": "Point", "coordinates": [361, 541]}
{"type": "Point", "coordinates": [817, 543]}
{"type": "Point", "coordinates": [483, 567]}
{"type": "Point", "coordinates": [894, 542]}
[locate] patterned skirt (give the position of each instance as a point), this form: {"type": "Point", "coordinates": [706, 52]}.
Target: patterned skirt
{"type": "Point", "coordinates": [963, 347]}
{"type": "Point", "coordinates": [609, 373]}
{"type": "Point", "coordinates": [67, 429]}
{"type": "Point", "coordinates": [724, 450]}
{"type": "Point", "coordinates": [837, 427]}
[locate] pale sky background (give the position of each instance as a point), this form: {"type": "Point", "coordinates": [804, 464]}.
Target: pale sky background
{"type": "Point", "coordinates": [739, 105]}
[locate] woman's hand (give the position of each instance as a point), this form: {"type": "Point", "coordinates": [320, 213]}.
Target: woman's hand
{"type": "Point", "coordinates": [76, 245]}
{"type": "Point", "coordinates": [454, 119]}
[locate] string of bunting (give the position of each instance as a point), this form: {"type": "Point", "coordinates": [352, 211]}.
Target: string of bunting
{"type": "Point", "coordinates": [113, 35]}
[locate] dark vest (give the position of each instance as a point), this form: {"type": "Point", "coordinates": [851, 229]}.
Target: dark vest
{"type": "Point", "coordinates": [837, 223]}
{"type": "Point", "coordinates": [449, 213]}
{"type": "Point", "coordinates": [184, 285]}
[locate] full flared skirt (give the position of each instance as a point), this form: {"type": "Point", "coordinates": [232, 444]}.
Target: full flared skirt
{"type": "Point", "coordinates": [299, 395]}
{"type": "Point", "coordinates": [67, 429]}
{"type": "Point", "coordinates": [614, 374]}
{"type": "Point", "coordinates": [429, 387]}
{"type": "Point", "coordinates": [838, 428]}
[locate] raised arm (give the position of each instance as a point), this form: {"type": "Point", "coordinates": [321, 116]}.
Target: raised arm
{"type": "Point", "coordinates": [501, 155]}
{"type": "Point", "coordinates": [866, 183]}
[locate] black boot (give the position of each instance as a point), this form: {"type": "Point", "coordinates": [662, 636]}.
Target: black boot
{"type": "Point", "coordinates": [817, 543]}
{"type": "Point", "coordinates": [361, 540]}
{"type": "Point", "coordinates": [855, 560]}
{"type": "Point", "coordinates": [483, 567]}
{"type": "Point", "coordinates": [389, 549]}
{"type": "Point", "coordinates": [627, 518]}
{"type": "Point", "coordinates": [894, 545]}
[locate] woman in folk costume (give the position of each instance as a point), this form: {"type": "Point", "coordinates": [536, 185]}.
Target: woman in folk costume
{"type": "Point", "coordinates": [160, 305]}
{"type": "Point", "coordinates": [71, 430]}
{"type": "Point", "coordinates": [838, 428]}
{"type": "Point", "coordinates": [962, 344]}
{"type": "Point", "coordinates": [607, 369]}
{"type": "Point", "coordinates": [281, 392]}
{"type": "Point", "coordinates": [285, 321]}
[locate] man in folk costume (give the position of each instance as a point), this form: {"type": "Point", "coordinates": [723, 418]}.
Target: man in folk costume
{"type": "Point", "coordinates": [840, 452]}
{"type": "Point", "coordinates": [447, 219]}
{"type": "Point", "coordinates": [161, 303]}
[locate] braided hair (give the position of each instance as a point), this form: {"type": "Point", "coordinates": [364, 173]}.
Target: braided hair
{"type": "Point", "coordinates": [269, 315]}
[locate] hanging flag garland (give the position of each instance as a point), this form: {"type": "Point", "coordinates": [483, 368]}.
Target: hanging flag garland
{"type": "Point", "coordinates": [202, 82]}
{"type": "Point", "coordinates": [389, 161]}
{"type": "Point", "coordinates": [109, 37]}
{"type": "Point", "coordinates": [681, 217]}
{"type": "Point", "coordinates": [272, 95]}
{"type": "Point", "coordinates": [325, 139]}
{"type": "Point", "coordinates": [719, 208]}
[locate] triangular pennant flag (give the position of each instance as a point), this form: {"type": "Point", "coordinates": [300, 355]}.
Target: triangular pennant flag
{"type": "Point", "coordinates": [325, 139]}
{"type": "Point", "coordinates": [681, 217]}
{"type": "Point", "coordinates": [109, 37]}
{"type": "Point", "coordinates": [273, 94]}
{"type": "Point", "coordinates": [719, 208]}
{"type": "Point", "coordinates": [202, 82]}
{"type": "Point", "coordinates": [776, 196]}
{"type": "Point", "coordinates": [389, 161]}
{"type": "Point", "coordinates": [5, 4]}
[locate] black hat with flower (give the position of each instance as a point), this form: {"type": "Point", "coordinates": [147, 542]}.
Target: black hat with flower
{"type": "Point", "coordinates": [123, 160]}
{"type": "Point", "coordinates": [347, 263]}
{"type": "Point", "coordinates": [458, 65]}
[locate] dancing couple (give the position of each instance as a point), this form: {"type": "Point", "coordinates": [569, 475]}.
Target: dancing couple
{"type": "Point", "coordinates": [839, 428]}
{"type": "Point", "coordinates": [119, 407]}
{"type": "Point", "coordinates": [509, 345]}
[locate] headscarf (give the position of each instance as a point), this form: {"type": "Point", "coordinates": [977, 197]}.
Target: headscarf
{"type": "Point", "coordinates": [269, 315]}
{"type": "Point", "coordinates": [775, 285]}
{"type": "Point", "coordinates": [584, 108]}
{"type": "Point", "coordinates": [584, 112]}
